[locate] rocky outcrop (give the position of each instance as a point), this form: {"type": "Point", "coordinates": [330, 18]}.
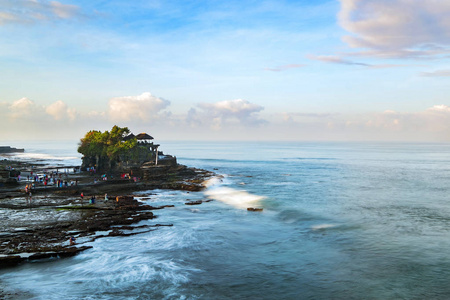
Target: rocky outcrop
{"type": "Point", "coordinates": [48, 237]}
{"type": "Point", "coordinates": [6, 177]}
{"type": "Point", "coordinates": [167, 160]}
{"type": "Point", "coordinates": [8, 149]}
{"type": "Point", "coordinates": [38, 241]}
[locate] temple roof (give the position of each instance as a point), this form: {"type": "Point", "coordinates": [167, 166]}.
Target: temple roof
{"type": "Point", "coordinates": [129, 137]}
{"type": "Point", "coordinates": [144, 136]}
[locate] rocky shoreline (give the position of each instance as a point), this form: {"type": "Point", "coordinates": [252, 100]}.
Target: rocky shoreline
{"type": "Point", "coordinates": [41, 227]}
{"type": "Point", "coordinates": [8, 149]}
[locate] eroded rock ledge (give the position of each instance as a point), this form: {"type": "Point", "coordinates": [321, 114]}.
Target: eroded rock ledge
{"type": "Point", "coordinates": [41, 228]}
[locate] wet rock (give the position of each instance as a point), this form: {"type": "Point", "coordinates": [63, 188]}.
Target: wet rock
{"type": "Point", "coordinates": [194, 202]}
{"type": "Point", "coordinates": [254, 209]}
{"type": "Point", "coordinates": [9, 261]}
{"type": "Point", "coordinates": [72, 251]}
{"type": "Point", "coordinates": [55, 214]}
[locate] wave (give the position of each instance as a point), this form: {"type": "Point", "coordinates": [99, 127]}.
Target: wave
{"type": "Point", "coordinates": [213, 181]}
{"type": "Point", "coordinates": [40, 157]}
{"type": "Point", "coordinates": [236, 198]}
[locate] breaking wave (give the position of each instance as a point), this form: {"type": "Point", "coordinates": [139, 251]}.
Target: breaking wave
{"type": "Point", "coordinates": [236, 198]}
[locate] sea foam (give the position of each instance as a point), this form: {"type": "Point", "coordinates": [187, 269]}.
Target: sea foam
{"type": "Point", "coordinates": [322, 226]}
{"type": "Point", "coordinates": [236, 198]}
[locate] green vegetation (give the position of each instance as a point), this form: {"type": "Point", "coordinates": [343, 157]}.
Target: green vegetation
{"type": "Point", "coordinates": [106, 150]}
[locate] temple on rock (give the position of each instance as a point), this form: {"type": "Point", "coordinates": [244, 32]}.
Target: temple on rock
{"type": "Point", "coordinates": [120, 150]}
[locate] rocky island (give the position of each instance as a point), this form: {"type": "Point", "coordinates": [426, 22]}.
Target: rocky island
{"type": "Point", "coordinates": [49, 212]}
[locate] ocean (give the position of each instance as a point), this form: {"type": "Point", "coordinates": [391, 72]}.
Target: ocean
{"type": "Point", "coordinates": [340, 221]}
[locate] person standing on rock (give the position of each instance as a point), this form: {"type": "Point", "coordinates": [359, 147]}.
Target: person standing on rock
{"type": "Point", "coordinates": [82, 197]}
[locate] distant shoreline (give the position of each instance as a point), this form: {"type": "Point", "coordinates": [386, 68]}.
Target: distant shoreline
{"type": "Point", "coordinates": [8, 149]}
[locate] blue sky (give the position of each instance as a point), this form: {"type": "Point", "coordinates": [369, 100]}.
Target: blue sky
{"type": "Point", "coordinates": [234, 70]}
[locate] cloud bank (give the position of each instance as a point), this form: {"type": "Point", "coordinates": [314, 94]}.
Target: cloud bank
{"type": "Point", "coordinates": [222, 120]}
{"type": "Point", "coordinates": [59, 110]}
{"type": "Point", "coordinates": [144, 107]}
{"type": "Point", "coordinates": [397, 28]}
{"type": "Point", "coordinates": [236, 111]}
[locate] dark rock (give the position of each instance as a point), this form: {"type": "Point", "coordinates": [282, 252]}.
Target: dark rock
{"type": "Point", "coordinates": [14, 173]}
{"type": "Point", "coordinates": [126, 202]}
{"type": "Point", "coordinates": [72, 251]}
{"type": "Point", "coordinates": [254, 209]}
{"type": "Point", "coordinates": [194, 202]}
{"type": "Point", "coordinates": [8, 149]}
{"type": "Point", "coordinates": [9, 261]}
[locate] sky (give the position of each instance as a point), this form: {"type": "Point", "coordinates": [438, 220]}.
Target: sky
{"type": "Point", "coordinates": [347, 70]}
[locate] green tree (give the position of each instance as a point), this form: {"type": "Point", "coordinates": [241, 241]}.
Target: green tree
{"type": "Point", "coordinates": [104, 149]}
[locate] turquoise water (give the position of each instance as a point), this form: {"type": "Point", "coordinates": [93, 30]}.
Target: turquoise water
{"type": "Point", "coordinates": [340, 221]}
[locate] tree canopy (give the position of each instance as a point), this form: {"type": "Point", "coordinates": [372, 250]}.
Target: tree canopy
{"type": "Point", "coordinates": [107, 147]}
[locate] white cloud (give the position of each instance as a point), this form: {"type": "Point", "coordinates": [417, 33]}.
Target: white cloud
{"type": "Point", "coordinates": [144, 107]}
{"type": "Point", "coordinates": [439, 108]}
{"type": "Point", "coordinates": [60, 111]}
{"type": "Point", "coordinates": [231, 111]}
{"type": "Point", "coordinates": [23, 107]}
{"type": "Point", "coordinates": [192, 118]}
{"type": "Point", "coordinates": [237, 107]}
{"type": "Point", "coordinates": [235, 119]}
{"type": "Point", "coordinates": [399, 28]}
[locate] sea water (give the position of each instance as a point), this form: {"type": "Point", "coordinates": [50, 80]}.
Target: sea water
{"type": "Point", "coordinates": [340, 221]}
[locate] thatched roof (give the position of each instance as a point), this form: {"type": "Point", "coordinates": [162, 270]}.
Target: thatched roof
{"type": "Point", "coordinates": [129, 137]}
{"type": "Point", "coordinates": [144, 136]}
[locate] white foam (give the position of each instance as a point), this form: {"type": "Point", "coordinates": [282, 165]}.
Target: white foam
{"type": "Point", "coordinates": [212, 181]}
{"type": "Point", "coordinates": [322, 226]}
{"type": "Point", "coordinates": [237, 198]}
{"type": "Point", "coordinates": [42, 156]}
